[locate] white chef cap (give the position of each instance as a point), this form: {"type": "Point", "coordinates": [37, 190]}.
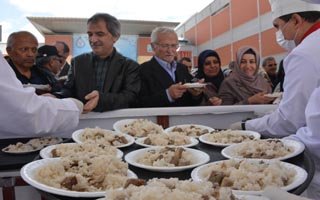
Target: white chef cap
{"type": "Point", "coordinates": [283, 7]}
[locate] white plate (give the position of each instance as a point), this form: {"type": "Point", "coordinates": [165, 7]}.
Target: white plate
{"type": "Point", "coordinates": [46, 152]}
{"type": "Point", "coordinates": [140, 141]}
{"type": "Point", "coordinates": [251, 197]}
{"type": "Point", "coordinates": [298, 147]}
{"type": "Point", "coordinates": [300, 177]}
{"type": "Point", "coordinates": [203, 139]}
{"type": "Point", "coordinates": [195, 85]}
{"type": "Point", "coordinates": [118, 125]}
{"type": "Point", "coordinates": [274, 95]}
{"type": "Point", "coordinates": [169, 129]}
{"type": "Point", "coordinates": [57, 140]}
{"type": "Point", "coordinates": [28, 175]}
{"type": "Point", "coordinates": [20, 152]}
{"type": "Point", "coordinates": [76, 136]}
{"type": "Point", "coordinates": [199, 156]}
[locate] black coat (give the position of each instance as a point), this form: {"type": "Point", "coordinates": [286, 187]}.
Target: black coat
{"type": "Point", "coordinates": [121, 85]}
{"type": "Point", "coordinates": [154, 82]}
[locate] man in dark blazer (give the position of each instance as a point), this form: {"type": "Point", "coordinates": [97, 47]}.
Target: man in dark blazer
{"type": "Point", "coordinates": [103, 79]}
{"type": "Point", "coordinates": [162, 77]}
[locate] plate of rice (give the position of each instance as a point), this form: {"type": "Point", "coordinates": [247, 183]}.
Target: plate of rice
{"type": "Point", "coordinates": [33, 145]}
{"type": "Point", "coordinates": [102, 136]}
{"type": "Point", "coordinates": [279, 149]}
{"type": "Point", "coordinates": [73, 149]}
{"type": "Point", "coordinates": [251, 176]}
{"type": "Point", "coordinates": [167, 159]}
{"type": "Point", "coordinates": [77, 176]}
{"type": "Point", "coordinates": [225, 138]}
{"type": "Point", "coordinates": [163, 139]}
{"type": "Point", "coordinates": [192, 130]}
{"type": "Point", "coordinates": [137, 127]}
{"type": "Point", "coordinates": [171, 189]}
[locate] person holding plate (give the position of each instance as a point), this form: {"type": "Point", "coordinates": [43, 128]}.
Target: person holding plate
{"type": "Point", "coordinates": [162, 77]}
{"type": "Point", "coordinates": [245, 85]}
{"type": "Point", "coordinates": [209, 69]}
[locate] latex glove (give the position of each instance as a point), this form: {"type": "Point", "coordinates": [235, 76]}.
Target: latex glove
{"type": "Point", "coordinates": [275, 193]}
{"type": "Point", "coordinates": [78, 103]}
{"type": "Point", "coordinates": [236, 126]}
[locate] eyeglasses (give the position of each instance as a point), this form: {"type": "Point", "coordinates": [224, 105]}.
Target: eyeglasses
{"type": "Point", "coordinates": [167, 46]}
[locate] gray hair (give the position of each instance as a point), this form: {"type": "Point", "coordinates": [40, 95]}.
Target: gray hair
{"type": "Point", "coordinates": [12, 37]}
{"type": "Point", "coordinates": [158, 30]}
{"type": "Point", "coordinates": [266, 60]}
{"type": "Point", "coordinates": [112, 23]}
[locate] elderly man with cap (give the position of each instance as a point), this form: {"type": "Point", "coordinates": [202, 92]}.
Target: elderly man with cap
{"type": "Point", "coordinates": [298, 24]}
{"type": "Point", "coordinates": [49, 62]}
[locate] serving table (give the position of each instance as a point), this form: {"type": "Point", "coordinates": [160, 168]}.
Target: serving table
{"type": "Point", "coordinates": [213, 116]}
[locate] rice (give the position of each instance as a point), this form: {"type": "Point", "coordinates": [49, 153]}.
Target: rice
{"type": "Point", "coordinates": [141, 128]}
{"type": "Point", "coordinates": [72, 149]}
{"type": "Point", "coordinates": [102, 136]}
{"type": "Point", "coordinates": [84, 173]}
{"type": "Point", "coordinates": [227, 137]}
{"type": "Point", "coordinates": [32, 145]}
{"type": "Point", "coordinates": [264, 149]}
{"type": "Point", "coordinates": [174, 139]}
{"type": "Point", "coordinates": [192, 130]}
{"type": "Point", "coordinates": [167, 157]}
{"type": "Point", "coordinates": [44, 141]}
{"type": "Point", "coordinates": [19, 147]}
{"type": "Point", "coordinates": [248, 175]}
{"type": "Point", "coordinates": [171, 189]}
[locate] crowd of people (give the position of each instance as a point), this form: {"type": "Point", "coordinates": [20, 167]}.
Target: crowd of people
{"type": "Point", "coordinates": [104, 80]}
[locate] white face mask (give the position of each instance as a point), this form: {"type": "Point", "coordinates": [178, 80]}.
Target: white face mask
{"type": "Point", "coordinates": [289, 45]}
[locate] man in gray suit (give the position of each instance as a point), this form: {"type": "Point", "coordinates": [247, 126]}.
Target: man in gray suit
{"type": "Point", "coordinates": [103, 79]}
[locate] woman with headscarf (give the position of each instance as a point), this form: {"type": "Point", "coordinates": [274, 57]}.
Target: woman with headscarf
{"type": "Point", "coordinates": [245, 85]}
{"type": "Point", "coordinates": [209, 69]}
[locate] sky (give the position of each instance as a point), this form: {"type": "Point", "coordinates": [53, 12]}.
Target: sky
{"type": "Point", "coordinates": [14, 13]}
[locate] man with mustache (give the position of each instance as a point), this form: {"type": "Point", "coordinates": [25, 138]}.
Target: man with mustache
{"type": "Point", "coordinates": [102, 79]}
{"type": "Point", "coordinates": [22, 50]}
